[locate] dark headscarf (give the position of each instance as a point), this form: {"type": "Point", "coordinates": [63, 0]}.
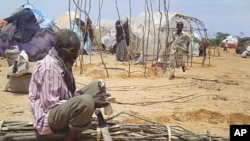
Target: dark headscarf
{"type": "Point", "coordinates": [68, 75]}
{"type": "Point", "coordinates": [119, 31]}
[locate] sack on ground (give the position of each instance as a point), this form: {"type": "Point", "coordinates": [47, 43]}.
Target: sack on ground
{"type": "Point", "coordinates": [11, 55]}
{"type": "Point", "coordinates": [19, 75]}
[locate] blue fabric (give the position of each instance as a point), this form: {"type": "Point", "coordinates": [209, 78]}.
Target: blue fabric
{"type": "Point", "coordinates": [86, 40]}
{"type": "Point", "coordinates": [196, 48]}
{"type": "Point", "coordinates": [43, 20]}
{"type": "Point", "coordinates": [76, 29]}
{"type": "Point", "coordinates": [36, 48]}
{"type": "Point", "coordinates": [88, 45]}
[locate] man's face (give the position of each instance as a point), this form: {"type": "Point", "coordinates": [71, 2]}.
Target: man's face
{"type": "Point", "coordinates": [179, 27]}
{"type": "Point", "coordinates": [70, 54]}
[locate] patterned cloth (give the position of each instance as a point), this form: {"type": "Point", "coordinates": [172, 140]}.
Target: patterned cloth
{"type": "Point", "coordinates": [39, 45]}
{"type": "Point", "coordinates": [36, 48]}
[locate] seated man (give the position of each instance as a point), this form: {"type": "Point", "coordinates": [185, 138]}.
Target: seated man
{"type": "Point", "coordinates": [56, 105]}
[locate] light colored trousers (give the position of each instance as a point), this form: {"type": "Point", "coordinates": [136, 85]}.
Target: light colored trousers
{"type": "Point", "coordinates": [176, 59]}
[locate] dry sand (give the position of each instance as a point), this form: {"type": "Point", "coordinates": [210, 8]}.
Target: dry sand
{"type": "Point", "coordinates": [202, 99]}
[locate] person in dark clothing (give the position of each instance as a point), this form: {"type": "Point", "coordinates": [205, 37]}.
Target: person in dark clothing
{"type": "Point", "coordinates": [90, 29]}
{"type": "Point", "coordinates": [202, 48]}
{"type": "Point", "coordinates": [122, 40]}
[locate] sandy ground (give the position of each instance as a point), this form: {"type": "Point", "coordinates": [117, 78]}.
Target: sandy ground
{"type": "Point", "coordinates": [202, 99]}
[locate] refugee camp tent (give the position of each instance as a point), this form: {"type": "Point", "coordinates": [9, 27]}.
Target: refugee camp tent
{"type": "Point", "coordinates": [106, 24]}
{"type": "Point", "coordinates": [156, 27]}
{"type": "Point", "coordinates": [108, 40]}
{"type": "Point", "coordinates": [242, 44]}
{"type": "Point", "coordinates": [232, 42]}
{"type": "Point", "coordinates": [105, 33]}
{"type": "Point", "coordinates": [63, 20]}
{"type": "Point", "coordinates": [149, 29]}
{"type": "Point", "coordinates": [22, 31]}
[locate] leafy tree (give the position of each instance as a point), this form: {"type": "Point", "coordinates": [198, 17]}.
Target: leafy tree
{"type": "Point", "coordinates": [219, 37]}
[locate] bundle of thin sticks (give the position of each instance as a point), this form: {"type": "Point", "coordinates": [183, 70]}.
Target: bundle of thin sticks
{"type": "Point", "coordinates": [148, 131]}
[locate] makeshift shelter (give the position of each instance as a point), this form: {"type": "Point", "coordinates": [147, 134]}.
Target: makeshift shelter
{"type": "Point", "coordinates": [63, 20]}
{"type": "Point", "coordinates": [242, 45]}
{"type": "Point", "coordinates": [155, 29]}
{"type": "Point", "coordinates": [232, 42]}
{"type": "Point", "coordinates": [109, 40]}
{"type": "Point", "coordinates": [105, 33]}
{"type": "Point", "coordinates": [22, 30]}
{"type": "Point", "coordinates": [149, 33]}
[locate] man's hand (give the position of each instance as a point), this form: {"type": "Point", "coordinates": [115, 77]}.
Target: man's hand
{"type": "Point", "coordinates": [100, 100]}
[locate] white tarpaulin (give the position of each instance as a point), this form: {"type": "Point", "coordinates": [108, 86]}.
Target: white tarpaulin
{"type": "Point", "coordinates": [151, 26]}
{"type": "Point", "coordinates": [145, 30]}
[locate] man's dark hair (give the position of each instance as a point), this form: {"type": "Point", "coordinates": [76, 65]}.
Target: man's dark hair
{"type": "Point", "coordinates": [62, 38]}
{"type": "Point", "coordinates": [180, 23]}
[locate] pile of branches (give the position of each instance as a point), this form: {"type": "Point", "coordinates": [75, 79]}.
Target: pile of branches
{"type": "Point", "coordinates": [150, 131]}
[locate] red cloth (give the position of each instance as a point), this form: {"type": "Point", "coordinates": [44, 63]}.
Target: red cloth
{"type": "Point", "coordinates": [2, 22]}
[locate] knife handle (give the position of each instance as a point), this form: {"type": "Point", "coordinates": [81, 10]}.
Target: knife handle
{"type": "Point", "coordinates": [101, 121]}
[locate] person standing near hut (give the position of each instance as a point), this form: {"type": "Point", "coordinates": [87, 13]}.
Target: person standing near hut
{"type": "Point", "coordinates": [225, 46]}
{"type": "Point", "coordinates": [179, 47]}
{"type": "Point", "coordinates": [90, 30]}
{"type": "Point", "coordinates": [56, 106]}
{"type": "Point", "coordinates": [122, 40]}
